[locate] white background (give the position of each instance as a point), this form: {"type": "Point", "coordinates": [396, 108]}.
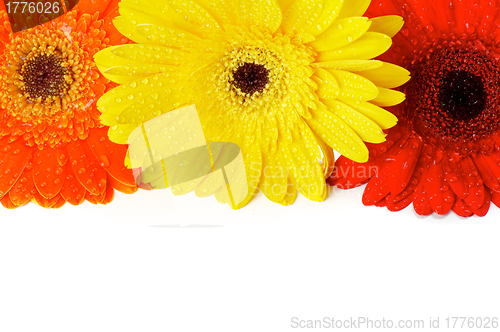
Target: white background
{"type": "Point", "coordinates": [154, 262]}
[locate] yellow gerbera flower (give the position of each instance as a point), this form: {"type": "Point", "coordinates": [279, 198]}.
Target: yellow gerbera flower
{"type": "Point", "coordinates": [286, 80]}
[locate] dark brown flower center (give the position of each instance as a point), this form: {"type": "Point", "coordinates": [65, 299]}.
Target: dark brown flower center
{"type": "Point", "coordinates": [251, 78]}
{"type": "Point", "coordinates": [454, 94]}
{"type": "Point", "coordinates": [44, 76]}
{"type": "Point", "coordinates": [462, 95]}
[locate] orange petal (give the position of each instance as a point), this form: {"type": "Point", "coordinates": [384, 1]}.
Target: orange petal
{"type": "Point", "coordinates": [13, 159]}
{"type": "Point", "coordinates": [7, 203]}
{"type": "Point", "coordinates": [24, 189]}
{"type": "Point", "coordinates": [111, 156]}
{"type": "Point", "coordinates": [45, 203]}
{"type": "Point", "coordinates": [115, 37]}
{"type": "Point", "coordinates": [48, 174]}
{"type": "Point", "coordinates": [110, 193]}
{"type": "Point", "coordinates": [72, 190]}
{"type": "Point", "coordinates": [104, 199]}
{"type": "Point", "coordinates": [59, 203]}
{"type": "Point", "coordinates": [62, 156]}
{"type": "Point", "coordinates": [117, 185]}
{"type": "Point", "coordinates": [93, 199]}
{"type": "Point", "coordinates": [86, 167]}
{"type": "Point", "coordinates": [93, 6]}
{"type": "Point", "coordinates": [111, 10]}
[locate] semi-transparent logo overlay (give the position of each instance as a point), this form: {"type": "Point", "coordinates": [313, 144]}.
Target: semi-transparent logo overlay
{"type": "Point", "coordinates": [171, 151]}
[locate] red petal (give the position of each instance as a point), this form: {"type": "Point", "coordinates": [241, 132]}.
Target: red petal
{"type": "Point", "coordinates": [86, 167]}
{"type": "Point", "coordinates": [24, 189]}
{"type": "Point", "coordinates": [400, 205]}
{"type": "Point", "coordinates": [13, 159]}
{"type": "Point", "coordinates": [348, 174]}
{"type": "Point", "coordinates": [441, 198]}
{"type": "Point", "coordinates": [456, 178]}
{"type": "Point", "coordinates": [462, 209]}
{"type": "Point", "coordinates": [48, 174]}
{"type": "Point", "coordinates": [403, 165]}
{"type": "Point", "coordinates": [495, 198]}
{"type": "Point", "coordinates": [421, 201]}
{"type": "Point", "coordinates": [111, 156]}
{"type": "Point", "coordinates": [493, 161]}
{"type": "Point", "coordinates": [377, 189]}
{"type": "Point", "coordinates": [487, 175]}
{"type": "Point", "coordinates": [481, 212]}
{"type": "Point", "coordinates": [72, 190]}
{"type": "Point", "coordinates": [475, 198]}
{"type": "Point", "coordinates": [398, 165]}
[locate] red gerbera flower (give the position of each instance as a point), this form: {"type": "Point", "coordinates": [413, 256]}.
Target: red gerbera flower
{"type": "Point", "coordinates": [444, 154]}
{"type": "Point", "coordinates": [52, 147]}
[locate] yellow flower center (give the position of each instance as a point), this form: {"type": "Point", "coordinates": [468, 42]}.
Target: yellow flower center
{"type": "Point", "coordinates": [251, 71]}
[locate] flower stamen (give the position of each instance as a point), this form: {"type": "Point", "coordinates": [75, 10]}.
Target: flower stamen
{"type": "Point", "coordinates": [462, 95]}
{"type": "Point", "coordinates": [43, 76]}
{"type": "Point", "coordinates": [251, 78]}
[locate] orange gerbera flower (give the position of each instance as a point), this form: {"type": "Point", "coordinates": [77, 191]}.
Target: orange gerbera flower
{"type": "Point", "coordinates": [53, 148]}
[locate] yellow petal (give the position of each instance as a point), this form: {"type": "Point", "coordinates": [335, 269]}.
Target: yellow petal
{"type": "Point", "coordinates": [300, 14]}
{"type": "Point", "coordinates": [186, 187]}
{"type": "Point", "coordinates": [120, 133]}
{"type": "Point", "coordinates": [291, 191]}
{"type": "Point", "coordinates": [188, 16]}
{"type": "Point", "coordinates": [331, 8]}
{"type": "Point", "coordinates": [369, 46]}
{"type": "Point", "coordinates": [328, 157]}
{"type": "Point", "coordinates": [223, 11]}
{"type": "Point", "coordinates": [126, 63]}
{"type": "Point", "coordinates": [388, 25]}
{"type": "Point", "coordinates": [328, 86]}
{"type": "Point", "coordinates": [284, 4]}
{"type": "Point", "coordinates": [388, 97]}
{"type": "Point", "coordinates": [387, 76]}
{"type": "Point", "coordinates": [349, 65]}
{"type": "Point", "coordinates": [353, 86]}
{"type": "Point", "coordinates": [338, 135]}
{"type": "Point", "coordinates": [253, 167]}
{"type": "Point", "coordinates": [262, 13]}
{"type": "Point", "coordinates": [304, 167]}
{"type": "Point", "coordinates": [140, 100]}
{"type": "Point", "coordinates": [382, 117]}
{"type": "Point", "coordinates": [156, 34]}
{"type": "Point", "coordinates": [367, 129]}
{"type": "Point", "coordinates": [354, 8]}
{"type": "Point", "coordinates": [341, 33]}
{"type": "Point", "coordinates": [138, 54]}
{"type": "Point", "coordinates": [274, 177]}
